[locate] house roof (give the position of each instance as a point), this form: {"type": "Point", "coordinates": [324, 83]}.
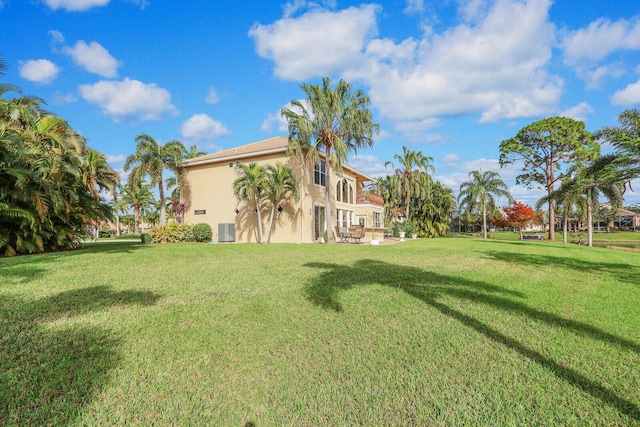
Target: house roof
{"type": "Point", "coordinates": [276, 144]}
{"type": "Point", "coordinates": [621, 211]}
{"type": "Point", "coordinates": [266, 146]}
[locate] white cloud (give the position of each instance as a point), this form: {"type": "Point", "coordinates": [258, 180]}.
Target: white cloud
{"type": "Point", "coordinates": [75, 5]}
{"type": "Point", "coordinates": [369, 165]}
{"type": "Point", "coordinates": [116, 158]}
{"type": "Point", "coordinates": [628, 96]}
{"type": "Point", "coordinates": [201, 127]}
{"type": "Point", "coordinates": [600, 39]}
{"type": "Point", "coordinates": [212, 97]}
{"type": "Point", "coordinates": [60, 98]}
{"type": "Point", "coordinates": [93, 58]}
{"type": "Point", "coordinates": [451, 160]}
{"type": "Point", "coordinates": [290, 8]}
{"type": "Point", "coordinates": [129, 99]}
{"type": "Point", "coordinates": [56, 36]}
{"type": "Point", "coordinates": [495, 66]}
{"type": "Point", "coordinates": [275, 120]}
{"type": "Point", "coordinates": [414, 6]}
{"type": "Point", "coordinates": [482, 165]}
{"type": "Point", "coordinates": [337, 39]}
{"type": "Point", "coordinates": [578, 112]}
{"type": "Point", "coordinates": [586, 48]}
{"type": "Point", "coordinates": [40, 71]}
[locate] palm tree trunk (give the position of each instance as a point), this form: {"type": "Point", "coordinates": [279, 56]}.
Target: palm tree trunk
{"type": "Point", "coordinates": [136, 226]}
{"type": "Point", "coordinates": [273, 210]}
{"type": "Point", "coordinates": [117, 224]}
{"type": "Point", "coordinates": [328, 199]}
{"type": "Point", "coordinates": [589, 220]}
{"type": "Point", "coordinates": [484, 219]}
{"type": "Point", "coordinates": [565, 225]}
{"type": "Point", "coordinates": [260, 239]}
{"type": "Point", "coordinates": [163, 208]}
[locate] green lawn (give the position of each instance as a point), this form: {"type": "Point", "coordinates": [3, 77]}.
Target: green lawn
{"type": "Point", "coordinates": [598, 236]}
{"type": "Point", "coordinates": [455, 331]}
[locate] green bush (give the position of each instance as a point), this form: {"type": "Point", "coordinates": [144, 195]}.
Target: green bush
{"type": "Point", "coordinates": [202, 232]}
{"type": "Point", "coordinates": [409, 228]}
{"type": "Point", "coordinates": [172, 233]}
{"type": "Point", "coordinates": [145, 238]}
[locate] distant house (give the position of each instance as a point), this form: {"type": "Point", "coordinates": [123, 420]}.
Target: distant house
{"type": "Point", "coordinates": [626, 220]}
{"type": "Point", "coordinates": [209, 196]}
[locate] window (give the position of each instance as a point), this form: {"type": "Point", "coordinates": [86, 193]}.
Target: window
{"type": "Point", "coordinates": [338, 192]}
{"type": "Point", "coordinates": [377, 220]}
{"type": "Point", "coordinates": [319, 173]}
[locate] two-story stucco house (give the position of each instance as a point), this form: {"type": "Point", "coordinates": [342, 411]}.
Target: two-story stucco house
{"type": "Point", "coordinates": [209, 197]}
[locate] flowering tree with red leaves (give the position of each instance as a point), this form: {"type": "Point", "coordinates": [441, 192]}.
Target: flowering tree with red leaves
{"type": "Point", "coordinates": [518, 216]}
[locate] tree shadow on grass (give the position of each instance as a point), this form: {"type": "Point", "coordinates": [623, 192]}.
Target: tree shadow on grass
{"type": "Point", "coordinates": [49, 373]}
{"type": "Point", "coordinates": [26, 268]}
{"type": "Point", "coordinates": [430, 287]}
{"type": "Point", "coordinates": [622, 272]}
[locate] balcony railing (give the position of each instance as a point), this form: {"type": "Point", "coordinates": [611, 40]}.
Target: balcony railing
{"type": "Point", "coordinates": [366, 197]}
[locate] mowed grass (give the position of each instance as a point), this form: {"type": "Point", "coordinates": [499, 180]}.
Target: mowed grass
{"type": "Point", "coordinates": [454, 331]}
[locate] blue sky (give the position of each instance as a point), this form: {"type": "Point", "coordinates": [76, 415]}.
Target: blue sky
{"type": "Point", "coordinates": [450, 78]}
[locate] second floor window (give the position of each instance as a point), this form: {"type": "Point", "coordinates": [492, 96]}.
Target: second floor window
{"type": "Point", "coordinates": [320, 173]}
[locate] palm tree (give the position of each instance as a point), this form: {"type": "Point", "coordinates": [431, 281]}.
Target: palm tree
{"type": "Point", "coordinates": [281, 185]}
{"type": "Point", "coordinates": [600, 177]}
{"type": "Point", "coordinates": [119, 207]}
{"type": "Point", "coordinates": [251, 186]}
{"type": "Point", "coordinates": [150, 160]}
{"type": "Point", "coordinates": [193, 152]}
{"type": "Point", "coordinates": [480, 191]}
{"type": "Point", "coordinates": [389, 188]}
{"type": "Point", "coordinates": [139, 197]}
{"type": "Point", "coordinates": [626, 139]}
{"type": "Point", "coordinates": [413, 171]}
{"type": "Point", "coordinates": [330, 123]}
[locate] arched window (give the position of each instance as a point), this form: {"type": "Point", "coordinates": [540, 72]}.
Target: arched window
{"type": "Point", "coordinates": [350, 194]}
{"type": "Point", "coordinates": [338, 192]}
{"type": "Point", "coordinates": [345, 191]}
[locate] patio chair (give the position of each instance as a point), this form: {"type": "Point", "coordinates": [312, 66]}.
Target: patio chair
{"type": "Point", "coordinates": [358, 234]}
{"type": "Point", "coordinates": [344, 234]}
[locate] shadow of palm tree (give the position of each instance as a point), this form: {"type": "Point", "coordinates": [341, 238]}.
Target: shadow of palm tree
{"type": "Point", "coordinates": [324, 290]}
{"type": "Point", "coordinates": [622, 272]}
{"type": "Point", "coordinates": [48, 374]}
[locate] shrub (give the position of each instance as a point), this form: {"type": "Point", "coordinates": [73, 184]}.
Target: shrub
{"type": "Point", "coordinates": [409, 227]}
{"type": "Point", "coordinates": [396, 228]}
{"type": "Point", "coordinates": [172, 233]}
{"type": "Point", "coordinates": [145, 238]}
{"type": "Point", "coordinates": [202, 232]}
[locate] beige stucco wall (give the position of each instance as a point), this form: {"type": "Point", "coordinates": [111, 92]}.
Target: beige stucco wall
{"type": "Point", "coordinates": [210, 189]}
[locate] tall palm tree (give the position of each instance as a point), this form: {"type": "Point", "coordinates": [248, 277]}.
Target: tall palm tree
{"type": "Point", "coordinates": [330, 123]}
{"type": "Point", "coordinates": [150, 160]}
{"type": "Point", "coordinates": [413, 170]}
{"type": "Point", "coordinates": [480, 191]}
{"type": "Point", "coordinates": [251, 186]}
{"type": "Point", "coordinates": [139, 197]}
{"type": "Point", "coordinates": [281, 185]}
